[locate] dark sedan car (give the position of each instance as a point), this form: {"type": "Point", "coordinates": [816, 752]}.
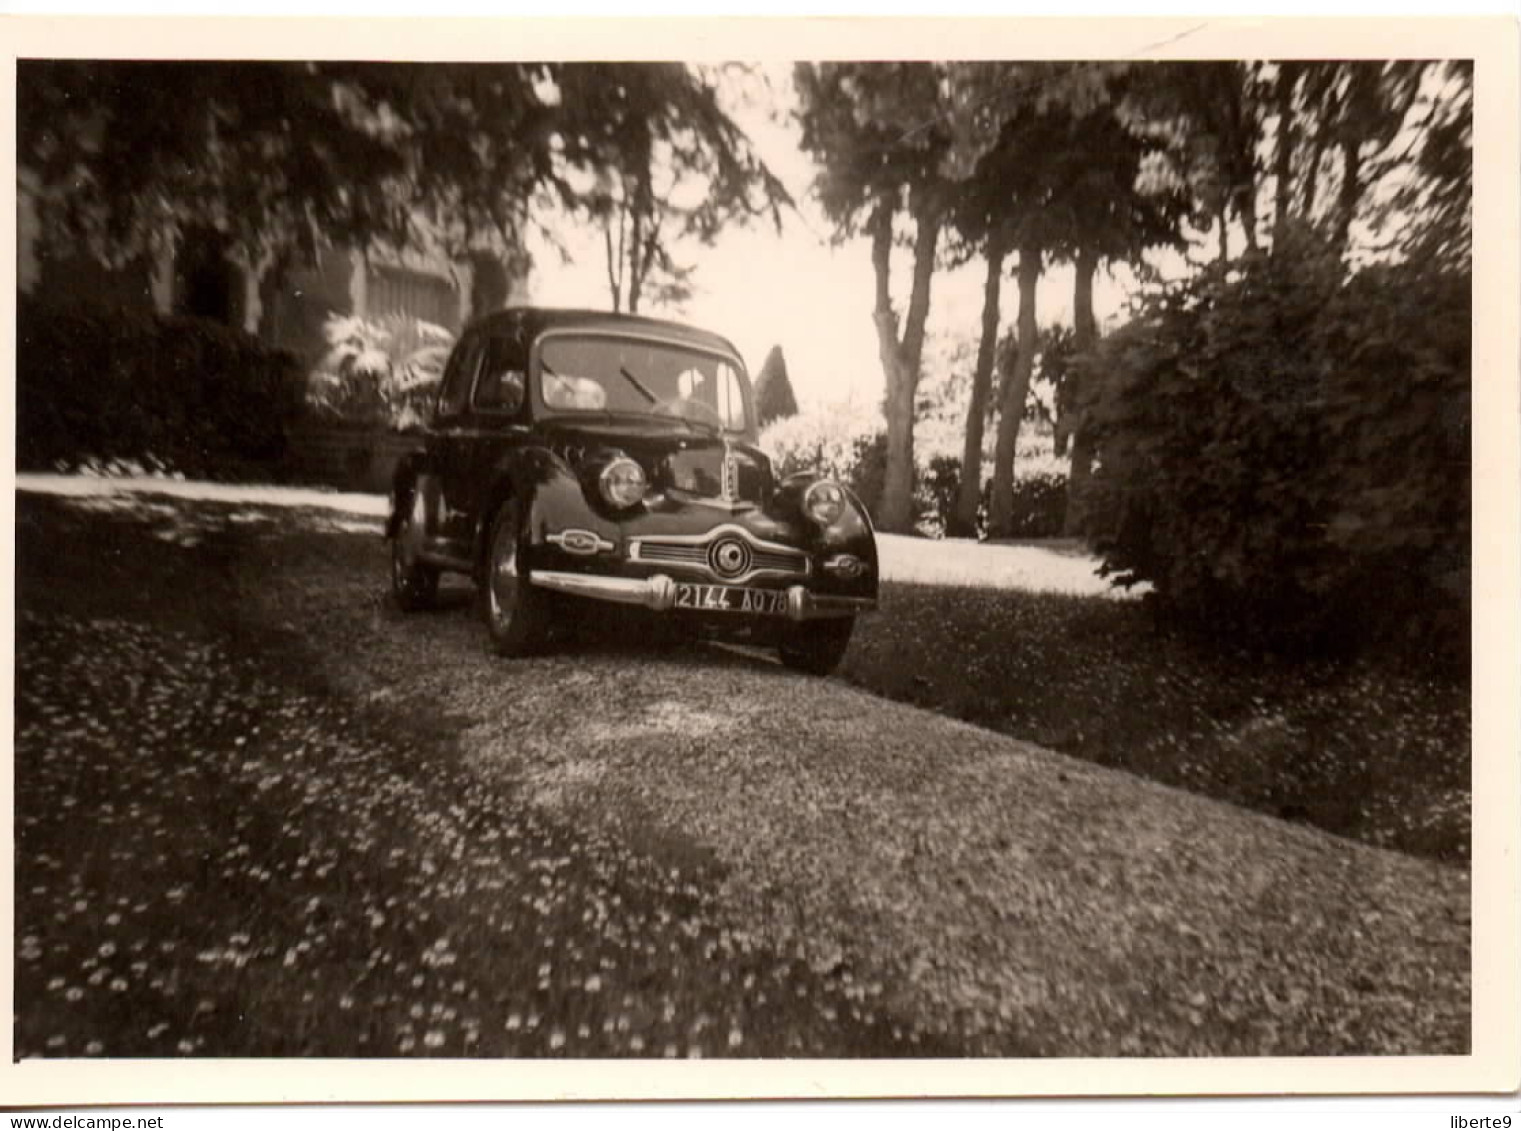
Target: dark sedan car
{"type": "Point", "coordinates": [579, 457]}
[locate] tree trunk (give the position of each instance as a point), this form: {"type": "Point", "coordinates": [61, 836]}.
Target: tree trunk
{"type": "Point", "coordinates": [1015, 392]}
{"type": "Point", "coordinates": [1288, 77]}
{"type": "Point", "coordinates": [963, 522]}
{"type": "Point", "coordinates": [1351, 189]}
{"type": "Point", "coordinates": [900, 358]}
{"type": "Point", "coordinates": [614, 260]}
{"type": "Point", "coordinates": [1246, 210]}
{"type": "Point", "coordinates": [1084, 338]}
{"type": "Point", "coordinates": [635, 277]}
{"type": "Point", "coordinates": [1223, 220]}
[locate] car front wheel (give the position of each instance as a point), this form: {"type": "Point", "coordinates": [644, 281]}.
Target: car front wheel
{"type": "Point", "coordinates": [516, 614]}
{"type": "Point", "coordinates": [414, 583]}
{"type": "Point", "coordinates": [817, 647]}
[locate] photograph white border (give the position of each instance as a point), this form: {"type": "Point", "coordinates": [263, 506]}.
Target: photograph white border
{"type": "Point", "coordinates": [1496, 1050]}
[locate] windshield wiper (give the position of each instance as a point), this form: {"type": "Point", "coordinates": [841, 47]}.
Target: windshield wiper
{"type": "Point", "coordinates": [638, 385]}
{"type": "Point", "coordinates": [707, 429]}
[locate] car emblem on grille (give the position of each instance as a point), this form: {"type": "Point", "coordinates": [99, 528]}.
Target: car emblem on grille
{"type": "Point", "coordinates": [729, 557]}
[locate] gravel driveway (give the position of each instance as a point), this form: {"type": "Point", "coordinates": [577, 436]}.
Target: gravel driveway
{"type": "Point", "coordinates": [616, 849]}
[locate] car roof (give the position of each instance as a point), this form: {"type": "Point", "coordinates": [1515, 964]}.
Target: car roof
{"type": "Point", "coordinates": [534, 320]}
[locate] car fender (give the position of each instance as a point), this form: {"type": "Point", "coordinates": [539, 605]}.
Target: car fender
{"type": "Point", "coordinates": [540, 481]}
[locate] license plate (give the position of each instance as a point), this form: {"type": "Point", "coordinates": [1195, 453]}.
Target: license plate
{"type": "Point", "coordinates": [731, 599]}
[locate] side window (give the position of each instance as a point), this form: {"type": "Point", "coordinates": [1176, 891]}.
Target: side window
{"type": "Point", "coordinates": [454, 395]}
{"type": "Point", "coordinates": [503, 382]}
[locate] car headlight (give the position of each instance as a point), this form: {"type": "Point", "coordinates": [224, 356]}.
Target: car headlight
{"type": "Point", "coordinates": [824, 502]}
{"type": "Point", "coordinates": [622, 482]}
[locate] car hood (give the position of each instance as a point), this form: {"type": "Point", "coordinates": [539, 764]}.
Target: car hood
{"type": "Point", "coordinates": [677, 460]}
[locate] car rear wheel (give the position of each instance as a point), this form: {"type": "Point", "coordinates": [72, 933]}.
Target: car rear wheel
{"type": "Point", "coordinates": [414, 583]}
{"type": "Point", "coordinates": [516, 614]}
{"type": "Point", "coordinates": [817, 647]}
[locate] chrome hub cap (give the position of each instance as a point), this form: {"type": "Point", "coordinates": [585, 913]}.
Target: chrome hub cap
{"type": "Point", "coordinates": [407, 545]}
{"type": "Point", "coordinates": [502, 585]}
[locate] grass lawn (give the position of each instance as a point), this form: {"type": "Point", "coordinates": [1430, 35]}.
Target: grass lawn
{"type": "Point", "coordinates": [1365, 749]}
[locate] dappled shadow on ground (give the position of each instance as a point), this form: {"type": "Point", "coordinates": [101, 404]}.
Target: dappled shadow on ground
{"type": "Point", "coordinates": [220, 852]}
{"type": "Point", "coordinates": [1361, 749]}
{"type": "Point", "coordinates": [1358, 748]}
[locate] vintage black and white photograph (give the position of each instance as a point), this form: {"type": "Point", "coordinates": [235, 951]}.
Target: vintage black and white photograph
{"type": "Point", "coordinates": [907, 559]}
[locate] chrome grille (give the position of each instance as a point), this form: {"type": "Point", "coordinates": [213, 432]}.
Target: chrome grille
{"type": "Point", "coordinates": [652, 551]}
{"type": "Point", "coordinates": [767, 559]}
{"type": "Point", "coordinates": [782, 563]}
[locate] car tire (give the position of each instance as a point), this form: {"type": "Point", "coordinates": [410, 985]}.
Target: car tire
{"type": "Point", "coordinates": [414, 583]}
{"type": "Point", "coordinates": [817, 647]}
{"type": "Point", "coordinates": [516, 614]}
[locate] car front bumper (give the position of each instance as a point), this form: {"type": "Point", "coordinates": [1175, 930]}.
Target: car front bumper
{"type": "Point", "coordinates": [659, 593]}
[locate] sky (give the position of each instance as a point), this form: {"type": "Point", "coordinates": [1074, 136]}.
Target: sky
{"type": "Point", "coordinates": [797, 289]}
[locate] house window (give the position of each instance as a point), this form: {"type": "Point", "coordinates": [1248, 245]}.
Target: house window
{"type": "Point", "coordinates": [416, 294]}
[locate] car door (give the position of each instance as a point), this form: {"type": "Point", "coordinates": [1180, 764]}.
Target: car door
{"type": "Point", "coordinates": [496, 417]}
{"type": "Point", "coordinates": [449, 442]}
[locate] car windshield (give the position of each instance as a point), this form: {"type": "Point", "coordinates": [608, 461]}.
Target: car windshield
{"type": "Point", "coordinates": [628, 375]}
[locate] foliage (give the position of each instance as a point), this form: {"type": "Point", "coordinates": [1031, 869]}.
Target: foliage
{"type": "Point", "coordinates": [1292, 449]}
{"type": "Point", "coordinates": [383, 371]}
{"type": "Point", "coordinates": [774, 399]}
{"type": "Point", "coordinates": [280, 158]}
{"type": "Point", "coordinates": [877, 131]}
{"type": "Point", "coordinates": [275, 155]}
{"type": "Point", "coordinates": [824, 438]}
{"type": "Point", "coordinates": [1039, 499]}
{"type": "Point", "coordinates": [182, 394]}
{"type": "Point", "coordinates": [839, 442]}
{"type": "Point", "coordinates": [670, 165]}
{"type": "Point", "coordinates": [852, 448]}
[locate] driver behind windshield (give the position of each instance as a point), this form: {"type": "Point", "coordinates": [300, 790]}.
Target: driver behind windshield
{"type": "Point", "coordinates": [598, 375]}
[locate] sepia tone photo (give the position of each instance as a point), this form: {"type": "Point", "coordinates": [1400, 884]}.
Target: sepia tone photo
{"type": "Point", "coordinates": [900, 559]}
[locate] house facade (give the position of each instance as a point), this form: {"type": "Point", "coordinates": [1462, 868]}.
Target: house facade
{"type": "Point", "coordinates": [201, 275]}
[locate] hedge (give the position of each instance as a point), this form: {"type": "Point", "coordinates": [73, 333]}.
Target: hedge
{"type": "Point", "coordinates": [1287, 446]}
{"type": "Point", "coordinates": [176, 393]}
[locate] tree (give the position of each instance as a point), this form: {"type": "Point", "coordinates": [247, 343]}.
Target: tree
{"type": "Point", "coordinates": [773, 391]}
{"type": "Point", "coordinates": [670, 165]}
{"type": "Point", "coordinates": [995, 208]}
{"type": "Point", "coordinates": [1115, 212]}
{"type": "Point", "coordinates": [1207, 117]}
{"type": "Point", "coordinates": [877, 130]}
{"type": "Point", "coordinates": [963, 519]}
{"type": "Point", "coordinates": [275, 159]}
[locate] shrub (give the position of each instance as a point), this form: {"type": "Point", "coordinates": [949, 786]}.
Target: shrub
{"type": "Point", "coordinates": [180, 393]}
{"type": "Point", "coordinates": [1289, 451]}
{"type": "Point", "coordinates": [852, 447]}
{"type": "Point", "coordinates": [1040, 497]}
{"type": "Point", "coordinates": [378, 373]}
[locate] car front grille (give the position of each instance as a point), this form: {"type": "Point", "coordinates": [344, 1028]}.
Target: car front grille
{"type": "Point", "coordinates": [765, 559]}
